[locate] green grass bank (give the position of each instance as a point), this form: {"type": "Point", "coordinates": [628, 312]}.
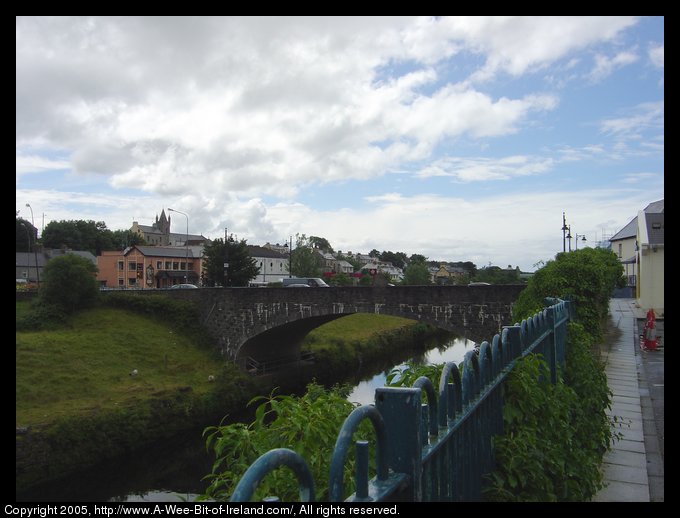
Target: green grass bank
{"type": "Point", "coordinates": [77, 403]}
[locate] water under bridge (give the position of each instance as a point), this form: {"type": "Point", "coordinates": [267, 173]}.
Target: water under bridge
{"type": "Point", "coordinates": [270, 323]}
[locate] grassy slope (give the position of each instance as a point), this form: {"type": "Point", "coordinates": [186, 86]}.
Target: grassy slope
{"type": "Point", "coordinates": [86, 367]}
{"type": "Point", "coordinates": [359, 326]}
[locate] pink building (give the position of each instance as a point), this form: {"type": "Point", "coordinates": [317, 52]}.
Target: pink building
{"type": "Point", "coordinates": [146, 267]}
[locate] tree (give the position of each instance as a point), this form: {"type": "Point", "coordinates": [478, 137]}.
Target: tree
{"type": "Point", "coordinates": [340, 279]}
{"type": "Point", "coordinates": [26, 235]}
{"type": "Point", "coordinates": [70, 282]}
{"type": "Point", "coordinates": [418, 258]}
{"type": "Point", "coordinates": [374, 253]}
{"type": "Point", "coordinates": [496, 275]}
{"type": "Point", "coordinates": [416, 273]}
{"type": "Point", "coordinates": [122, 239]}
{"type": "Point", "coordinates": [320, 243]}
{"type": "Point", "coordinates": [242, 267]}
{"type": "Point", "coordinates": [305, 262]}
{"type": "Point", "coordinates": [586, 276]}
{"type": "Point", "coordinates": [398, 259]}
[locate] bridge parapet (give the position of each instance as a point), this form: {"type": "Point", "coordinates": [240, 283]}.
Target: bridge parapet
{"type": "Point", "coordinates": [246, 321]}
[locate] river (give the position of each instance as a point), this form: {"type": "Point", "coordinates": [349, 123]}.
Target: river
{"type": "Point", "coordinates": [172, 471]}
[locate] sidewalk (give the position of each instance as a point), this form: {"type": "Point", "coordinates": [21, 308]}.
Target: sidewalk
{"type": "Point", "coordinates": [626, 466]}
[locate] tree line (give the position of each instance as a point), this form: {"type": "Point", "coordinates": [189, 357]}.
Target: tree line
{"type": "Point", "coordinates": [304, 261]}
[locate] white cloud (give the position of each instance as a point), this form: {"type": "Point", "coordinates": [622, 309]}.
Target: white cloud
{"type": "Point", "coordinates": [485, 169]}
{"type": "Point", "coordinates": [634, 178]}
{"type": "Point", "coordinates": [38, 164]}
{"type": "Point", "coordinates": [644, 117]}
{"type": "Point", "coordinates": [516, 45]}
{"type": "Point", "coordinates": [605, 66]}
{"type": "Point", "coordinates": [656, 56]}
{"type": "Point", "coordinates": [507, 229]}
{"type": "Point", "coordinates": [263, 106]}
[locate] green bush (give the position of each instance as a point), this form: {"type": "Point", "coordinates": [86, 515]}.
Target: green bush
{"type": "Point", "coordinates": [555, 435]}
{"type": "Point", "coordinates": [69, 282]}
{"type": "Point", "coordinates": [283, 421]}
{"type": "Point", "coordinates": [40, 316]}
{"type": "Point", "coordinates": [586, 277]}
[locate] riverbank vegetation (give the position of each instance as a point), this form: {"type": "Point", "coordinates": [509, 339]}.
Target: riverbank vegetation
{"type": "Point", "coordinates": [556, 435]}
{"type": "Point", "coordinates": [104, 381]}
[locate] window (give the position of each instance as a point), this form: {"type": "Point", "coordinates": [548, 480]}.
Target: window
{"type": "Point", "coordinates": [175, 265]}
{"type": "Point", "coordinates": [620, 250]}
{"type": "Point", "coordinates": [182, 265]}
{"type": "Point", "coordinates": [167, 265]}
{"type": "Point", "coordinates": [159, 265]}
{"type": "Point", "coordinates": [132, 266]}
{"type": "Point", "coordinates": [191, 266]}
{"type": "Point", "coordinates": [121, 265]}
{"type": "Point", "coordinates": [132, 281]}
{"type": "Point", "coordinates": [121, 282]}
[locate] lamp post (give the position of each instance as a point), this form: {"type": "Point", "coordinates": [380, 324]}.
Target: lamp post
{"type": "Point", "coordinates": [186, 245]}
{"type": "Point", "coordinates": [564, 232]}
{"type": "Point", "coordinates": [583, 238]}
{"type": "Point", "coordinates": [35, 252]}
{"type": "Point", "coordinates": [569, 236]}
{"type": "Point", "coordinates": [28, 237]}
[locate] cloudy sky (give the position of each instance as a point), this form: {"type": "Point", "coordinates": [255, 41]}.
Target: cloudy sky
{"type": "Point", "coordinates": [458, 138]}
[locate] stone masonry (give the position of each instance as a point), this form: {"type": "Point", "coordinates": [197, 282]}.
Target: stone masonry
{"type": "Point", "coordinates": [270, 322]}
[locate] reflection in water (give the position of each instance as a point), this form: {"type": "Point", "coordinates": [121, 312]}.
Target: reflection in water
{"type": "Point", "coordinates": [173, 470]}
{"type": "Point", "coordinates": [452, 351]}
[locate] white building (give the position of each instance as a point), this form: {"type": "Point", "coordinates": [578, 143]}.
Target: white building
{"type": "Point", "coordinates": [273, 265]}
{"type": "Point", "coordinates": [624, 243]}
{"type": "Point", "coordinates": [650, 262]}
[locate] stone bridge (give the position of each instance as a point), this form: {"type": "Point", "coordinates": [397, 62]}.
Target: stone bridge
{"type": "Point", "coordinates": [270, 323]}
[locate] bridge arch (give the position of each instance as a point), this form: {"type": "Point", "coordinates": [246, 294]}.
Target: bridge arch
{"type": "Point", "coordinates": [249, 321]}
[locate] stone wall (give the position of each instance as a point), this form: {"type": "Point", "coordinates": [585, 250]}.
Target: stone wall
{"type": "Point", "coordinates": [236, 316]}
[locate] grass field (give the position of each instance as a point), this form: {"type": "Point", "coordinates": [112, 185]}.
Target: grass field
{"type": "Point", "coordinates": [359, 326]}
{"type": "Point", "coordinates": [85, 367]}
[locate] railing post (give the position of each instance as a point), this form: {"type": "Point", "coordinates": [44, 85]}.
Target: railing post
{"type": "Point", "coordinates": [514, 341]}
{"type": "Point", "coordinates": [401, 411]}
{"type": "Point", "coordinates": [551, 347]}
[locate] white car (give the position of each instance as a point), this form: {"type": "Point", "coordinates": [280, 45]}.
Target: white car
{"type": "Point", "coordinates": [184, 287]}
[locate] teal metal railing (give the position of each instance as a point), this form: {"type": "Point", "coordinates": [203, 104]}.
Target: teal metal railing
{"type": "Point", "coordinates": [441, 450]}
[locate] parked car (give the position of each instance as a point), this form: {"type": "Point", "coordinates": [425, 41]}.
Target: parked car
{"type": "Point", "coordinates": [184, 287]}
{"type": "Point", "coordinates": [479, 284]}
{"type": "Point", "coordinates": [312, 282]}
{"type": "Point", "coordinates": [296, 286]}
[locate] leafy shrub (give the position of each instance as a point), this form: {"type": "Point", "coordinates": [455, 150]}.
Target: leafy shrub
{"type": "Point", "coordinates": [587, 277]}
{"type": "Point", "coordinates": [555, 435]}
{"type": "Point", "coordinates": [283, 421]}
{"type": "Point", "coordinates": [40, 316]}
{"type": "Point", "coordinates": [70, 283]}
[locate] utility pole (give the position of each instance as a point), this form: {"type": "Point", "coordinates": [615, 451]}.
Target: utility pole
{"type": "Point", "coordinates": [290, 259]}
{"type": "Point", "coordinates": [226, 258]}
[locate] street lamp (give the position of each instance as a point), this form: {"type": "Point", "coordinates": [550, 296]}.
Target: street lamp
{"type": "Point", "coordinates": [35, 252]}
{"type": "Point", "coordinates": [28, 237]}
{"type": "Point", "coordinates": [186, 245]}
{"type": "Point", "coordinates": [564, 230]}
{"type": "Point", "coordinates": [569, 236]}
{"type": "Point", "coordinates": [583, 238]}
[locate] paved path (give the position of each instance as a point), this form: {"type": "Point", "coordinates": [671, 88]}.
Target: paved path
{"type": "Point", "coordinates": [633, 469]}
